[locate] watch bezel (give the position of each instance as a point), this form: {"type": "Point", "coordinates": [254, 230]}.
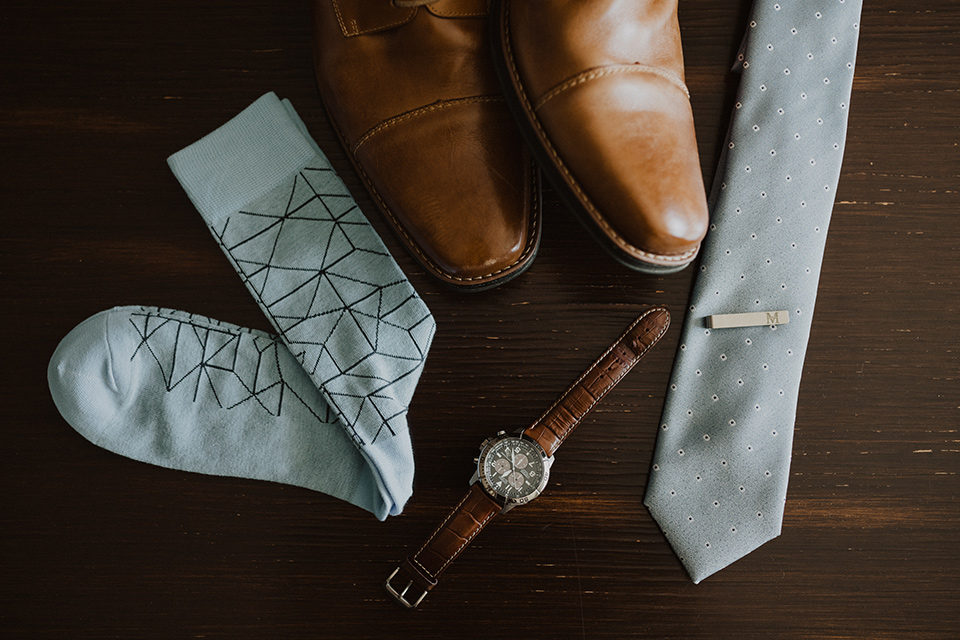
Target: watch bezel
{"type": "Point", "coordinates": [480, 476]}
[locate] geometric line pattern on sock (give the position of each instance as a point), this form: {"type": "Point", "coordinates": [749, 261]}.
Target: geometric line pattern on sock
{"type": "Point", "coordinates": [235, 365]}
{"type": "Point", "coordinates": [331, 289]}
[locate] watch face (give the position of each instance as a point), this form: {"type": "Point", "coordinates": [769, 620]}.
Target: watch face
{"type": "Point", "coordinates": [513, 468]}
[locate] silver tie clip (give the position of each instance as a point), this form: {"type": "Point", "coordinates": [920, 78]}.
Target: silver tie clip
{"type": "Point", "coordinates": [755, 319]}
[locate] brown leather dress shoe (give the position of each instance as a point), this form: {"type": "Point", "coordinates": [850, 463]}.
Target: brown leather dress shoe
{"type": "Point", "coordinates": [597, 87]}
{"type": "Point", "coordinates": [410, 88]}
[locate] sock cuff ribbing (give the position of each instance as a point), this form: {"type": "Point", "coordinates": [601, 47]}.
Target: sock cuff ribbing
{"type": "Point", "coordinates": [242, 160]}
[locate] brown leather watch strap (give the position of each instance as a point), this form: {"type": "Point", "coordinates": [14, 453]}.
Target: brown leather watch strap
{"type": "Point", "coordinates": [556, 423]}
{"type": "Point", "coordinates": [417, 575]}
{"type": "Point", "coordinates": [419, 572]}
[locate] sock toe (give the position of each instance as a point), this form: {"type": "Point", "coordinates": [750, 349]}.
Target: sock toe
{"type": "Point", "coordinates": [82, 377]}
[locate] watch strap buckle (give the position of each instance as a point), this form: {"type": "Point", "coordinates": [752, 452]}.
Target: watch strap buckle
{"type": "Point", "coordinates": [414, 579]}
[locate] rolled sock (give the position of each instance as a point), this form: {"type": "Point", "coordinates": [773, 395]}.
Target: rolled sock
{"type": "Point", "coordinates": [191, 393]}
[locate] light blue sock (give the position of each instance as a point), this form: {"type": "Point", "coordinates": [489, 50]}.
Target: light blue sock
{"type": "Point", "coordinates": [341, 305]}
{"type": "Point", "coordinates": [187, 392]}
{"type": "Point", "coordinates": [315, 266]}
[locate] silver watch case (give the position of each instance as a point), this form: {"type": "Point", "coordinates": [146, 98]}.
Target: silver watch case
{"type": "Point", "coordinates": [505, 502]}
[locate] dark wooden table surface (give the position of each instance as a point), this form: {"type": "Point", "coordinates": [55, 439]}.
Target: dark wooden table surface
{"type": "Point", "coordinates": [95, 95]}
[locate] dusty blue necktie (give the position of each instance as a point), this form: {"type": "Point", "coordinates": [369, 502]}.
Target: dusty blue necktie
{"type": "Point", "coordinates": [719, 478]}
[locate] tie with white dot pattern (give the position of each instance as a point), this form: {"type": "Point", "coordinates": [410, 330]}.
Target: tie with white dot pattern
{"type": "Point", "coordinates": [722, 461]}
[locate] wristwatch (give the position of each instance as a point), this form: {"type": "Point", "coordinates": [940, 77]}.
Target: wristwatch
{"type": "Point", "coordinates": [514, 469]}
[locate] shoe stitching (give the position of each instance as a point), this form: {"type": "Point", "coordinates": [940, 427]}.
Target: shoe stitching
{"type": "Point", "coordinates": [439, 104]}
{"type": "Point", "coordinates": [531, 240]}
{"type": "Point", "coordinates": [599, 72]}
{"type": "Point", "coordinates": [463, 14]}
{"type": "Point", "coordinates": [459, 15]}
{"type": "Point", "coordinates": [412, 244]}
{"type": "Point", "coordinates": [358, 32]}
{"type": "Point", "coordinates": [511, 63]}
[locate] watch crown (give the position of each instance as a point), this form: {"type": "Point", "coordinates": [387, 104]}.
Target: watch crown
{"type": "Point", "coordinates": [476, 461]}
{"type": "Point", "coordinates": [501, 433]}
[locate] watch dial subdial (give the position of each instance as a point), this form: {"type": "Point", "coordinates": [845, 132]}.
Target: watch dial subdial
{"type": "Point", "coordinates": [516, 480]}
{"type": "Point", "coordinates": [501, 466]}
{"type": "Point", "coordinates": [520, 461]}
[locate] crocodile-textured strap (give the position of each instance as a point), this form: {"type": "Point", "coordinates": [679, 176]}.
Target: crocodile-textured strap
{"type": "Point", "coordinates": [418, 573]}
{"type": "Point", "coordinates": [552, 428]}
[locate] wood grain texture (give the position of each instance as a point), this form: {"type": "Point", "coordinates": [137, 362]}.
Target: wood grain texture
{"type": "Point", "coordinates": [95, 95]}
